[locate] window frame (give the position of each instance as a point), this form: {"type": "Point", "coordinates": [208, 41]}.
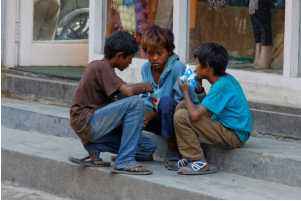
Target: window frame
{"type": "Point", "coordinates": [291, 66]}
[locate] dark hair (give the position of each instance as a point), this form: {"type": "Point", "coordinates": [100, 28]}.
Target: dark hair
{"type": "Point", "coordinates": [120, 41]}
{"type": "Point", "coordinates": [213, 54]}
{"type": "Point", "coordinates": [155, 36]}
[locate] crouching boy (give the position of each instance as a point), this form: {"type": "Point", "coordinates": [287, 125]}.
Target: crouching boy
{"type": "Point", "coordinates": [107, 126]}
{"type": "Point", "coordinates": [223, 118]}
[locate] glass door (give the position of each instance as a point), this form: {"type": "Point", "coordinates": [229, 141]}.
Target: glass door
{"type": "Point", "coordinates": [53, 33]}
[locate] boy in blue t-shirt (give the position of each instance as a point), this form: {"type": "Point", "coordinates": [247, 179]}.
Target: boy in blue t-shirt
{"type": "Point", "coordinates": [223, 118]}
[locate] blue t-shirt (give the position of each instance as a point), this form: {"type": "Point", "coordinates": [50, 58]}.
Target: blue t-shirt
{"type": "Point", "coordinates": [229, 106]}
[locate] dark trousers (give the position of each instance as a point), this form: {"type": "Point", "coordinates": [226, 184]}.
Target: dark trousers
{"type": "Point", "coordinates": [261, 23]}
{"type": "Point", "coordinates": [163, 125]}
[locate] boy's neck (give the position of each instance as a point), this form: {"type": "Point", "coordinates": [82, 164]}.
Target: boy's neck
{"type": "Point", "coordinates": [160, 71]}
{"type": "Point", "coordinates": [111, 62]}
{"type": "Point", "coordinates": [213, 78]}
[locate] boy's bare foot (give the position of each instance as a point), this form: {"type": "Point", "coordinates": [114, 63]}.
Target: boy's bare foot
{"type": "Point", "coordinates": [87, 161]}
{"type": "Point", "coordinates": [135, 168]}
{"type": "Point", "coordinates": [99, 162]}
{"type": "Point", "coordinates": [187, 169]}
{"type": "Point", "coordinates": [178, 164]}
{"type": "Point", "coordinates": [138, 168]}
{"type": "Point", "coordinates": [96, 161]}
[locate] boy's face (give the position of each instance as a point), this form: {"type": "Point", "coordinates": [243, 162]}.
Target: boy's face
{"type": "Point", "coordinates": [124, 62]}
{"type": "Point", "coordinates": [158, 57]}
{"type": "Point", "coordinates": [200, 70]}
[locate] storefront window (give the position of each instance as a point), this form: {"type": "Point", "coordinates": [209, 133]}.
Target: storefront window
{"type": "Point", "coordinates": [134, 15]}
{"type": "Point", "coordinates": [61, 20]}
{"type": "Point", "coordinates": [252, 31]}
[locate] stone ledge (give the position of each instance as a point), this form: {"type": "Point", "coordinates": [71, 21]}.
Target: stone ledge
{"type": "Point", "coordinates": [267, 159]}
{"type": "Point", "coordinates": [40, 161]}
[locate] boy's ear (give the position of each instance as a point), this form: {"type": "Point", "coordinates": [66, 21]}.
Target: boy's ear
{"type": "Point", "coordinates": [119, 54]}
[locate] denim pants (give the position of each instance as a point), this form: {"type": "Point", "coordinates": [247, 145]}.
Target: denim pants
{"type": "Point", "coordinates": [116, 128]}
{"type": "Point", "coordinates": [164, 125]}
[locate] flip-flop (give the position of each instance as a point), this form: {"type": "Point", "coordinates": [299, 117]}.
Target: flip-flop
{"type": "Point", "coordinates": [126, 170]}
{"type": "Point", "coordinates": [88, 163]}
{"type": "Point", "coordinates": [196, 166]}
{"type": "Point", "coordinates": [172, 156]}
{"type": "Point", "coordinates": [180, 163]}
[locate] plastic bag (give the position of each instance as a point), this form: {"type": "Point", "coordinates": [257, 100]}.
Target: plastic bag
{"type": "Point", "coordinates": [190, 77]}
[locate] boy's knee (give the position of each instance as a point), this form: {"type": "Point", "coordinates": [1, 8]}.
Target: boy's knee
{"type": "Point", "coordinates": [180, 115]}
{"type": "Point", "coordinates": [136, 101]}
{"type": "Point", "coordinates": [181, 105]}
{"type": "Point", "coordinates": [166, 104]}
{"type": "Point", "coordinates": [165, 100]}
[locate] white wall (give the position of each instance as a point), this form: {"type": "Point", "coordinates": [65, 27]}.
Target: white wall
{"type": "Point", "coordinates": [299, 72]}
{"type": "Point", "coordinates": [8, 26]}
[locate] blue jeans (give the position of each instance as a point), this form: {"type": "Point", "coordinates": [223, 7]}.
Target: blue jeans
{"type": "Point", "coordinates": [163, 125]}
{"type": "Point", "coordinates": [116, 128]}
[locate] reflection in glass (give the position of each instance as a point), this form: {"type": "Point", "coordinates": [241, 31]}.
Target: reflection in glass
{"type": "Point", "coordinates": [46, 14]}
{"type": "Point", "coordinates": [134, 15]}
{"type": "Point", "coordinates": [61, 19]}
{"type": "Point", "coordinates": [229, 23]}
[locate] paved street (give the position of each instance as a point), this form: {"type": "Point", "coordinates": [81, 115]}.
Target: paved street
{"type": "Point", "coordinates": [10, 191]}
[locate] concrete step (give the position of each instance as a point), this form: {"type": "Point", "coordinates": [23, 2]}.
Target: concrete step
{"type": "Point", "coordinates": [269, 120]}
{"type": "Point", "coordinates": [39, 161]}
{"type": "Point", "coordinates": [266, 159]}
{"type": "Point", "coordinates": [48, 119]}
{"type": "Point", "coordinates": [275, 121]}
{"type": "Point", "coordinates": [14, 191]}
{"type": "Point", "coordinates": [35, 87]}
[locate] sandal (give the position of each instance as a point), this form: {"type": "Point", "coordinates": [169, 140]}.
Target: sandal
{"type": "Point", "coordinates": [172, 155]}
{"type": "Point", "coordinates": [127, 170]}
{"type": "Point", "coordinates": [180, 163]}
{"type": "Point", "coordinates": [196, 166]}
{"type": "Point", "coordinates": [89, 163]}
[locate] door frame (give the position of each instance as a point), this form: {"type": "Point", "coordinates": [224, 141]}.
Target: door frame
{"type": "Point", "coordinates": [46, 53]}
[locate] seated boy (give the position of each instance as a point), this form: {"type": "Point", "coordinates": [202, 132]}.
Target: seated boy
{"type": "Point", "coordinates": [162, 69]}
{"type": "Point", "coordinates": [107, 126]}
{"type": "Point", "coordinates": [223, 118]}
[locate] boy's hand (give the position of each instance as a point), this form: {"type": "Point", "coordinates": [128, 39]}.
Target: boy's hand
{"type": "Point", "coordinates": [136, 89]}
{"type": "Point", "coordinates": [148, 117]}
{"type": "Point", "coordinates": [199, 83]}
{"type": "Point", "coordinates": [148, 87]}
{"type": "Point", "coordinates": [184, 87]}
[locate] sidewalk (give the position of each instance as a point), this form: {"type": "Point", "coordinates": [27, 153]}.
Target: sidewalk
{"type": "Point", "coordinates": [11, 191]}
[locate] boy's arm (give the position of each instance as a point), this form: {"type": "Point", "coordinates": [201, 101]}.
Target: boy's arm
{"type": "Point", "coordinates": [200, 91]}
{"type": "Point", "coordinates": [195, 112]}
{"type": "Point", "coordinates": [135, 89]}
